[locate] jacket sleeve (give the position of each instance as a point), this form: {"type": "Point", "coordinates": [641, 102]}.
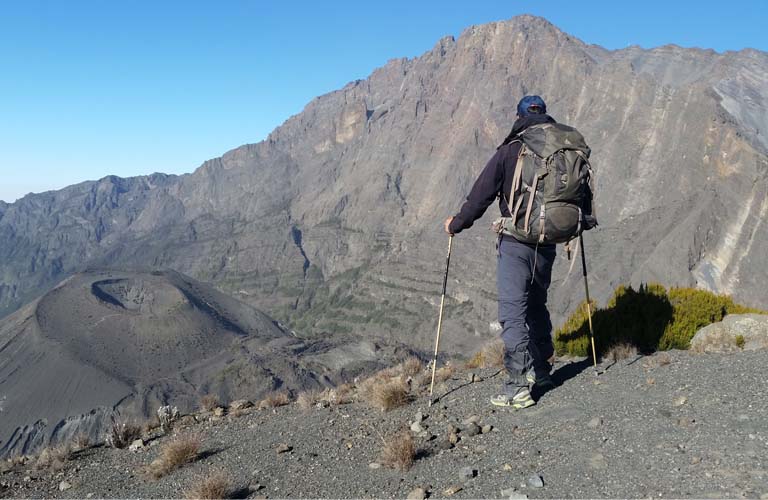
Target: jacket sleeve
{"type": "Point", "coordinates": [487, 186]}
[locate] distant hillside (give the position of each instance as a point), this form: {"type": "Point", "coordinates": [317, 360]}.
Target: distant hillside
{"type": "Point", "coordinates": [109, 341]}
{"type": "Point", "coordinates": [333, 223]}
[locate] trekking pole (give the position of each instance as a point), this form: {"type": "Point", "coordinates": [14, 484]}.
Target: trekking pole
{"type": "Point", "coordinates": [440, 318]}
{"type": "Point", "coordinates": [589, 305]}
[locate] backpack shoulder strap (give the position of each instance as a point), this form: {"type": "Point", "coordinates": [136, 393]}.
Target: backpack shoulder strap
{"type": "Point", "coordinates": [517, 176]}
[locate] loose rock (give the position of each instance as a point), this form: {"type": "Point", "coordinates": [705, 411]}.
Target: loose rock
{"type": "Point", "coordinates": [417, 494]}
{"type": "Point", "coordinates": [374, 465]}
{"type": "Point", "coordinates": [418, 417]}
{"type": "Point", "coordinates": [535, 481]}
{"type": "Point", "coordinates": [467, 473]}
{"type": "Point", "coordinates": [486, 429]}
{"type": "Point", "coordinates": [472, 429]}
{"type": "Point", "coordinates": [416, 427]}
{"type": "Point", "coordinates": [283, 448]}
{"type": "Point", "coordinates": [452, 490]}
{"type": "Point", "coordinates": [136, 445]}
{"type": "Point", "coordinates": [219, 411]}
{"type": "Point", "coordinates": [595, 422]}
{"type": "Point", "coordinates": [474, 419]}
{"type": "Point", "coordinates": [453, 438]}
{"type": "Point", "coordinates": [680, 401]}
{"type": "Point", "coordinates": [64, 486]}
{"type": "Point", "coordinates": [240, 404]}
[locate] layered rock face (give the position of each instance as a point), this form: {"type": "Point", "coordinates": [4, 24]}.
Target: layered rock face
{"type": "Point", "coordinates": [333, 223]}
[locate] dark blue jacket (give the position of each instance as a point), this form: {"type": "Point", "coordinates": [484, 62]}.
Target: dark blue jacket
{"type": "Point", "coordinates": [496, 178]}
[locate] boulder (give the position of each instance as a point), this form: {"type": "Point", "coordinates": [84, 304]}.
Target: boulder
{"type": "Point", "coordinates": [734, 333]}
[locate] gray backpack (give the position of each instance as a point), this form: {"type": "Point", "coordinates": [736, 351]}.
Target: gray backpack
{"type": "Point", "coordinates": [551, 197]}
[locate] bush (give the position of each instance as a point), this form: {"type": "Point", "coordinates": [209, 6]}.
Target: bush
{"type": "Point", "coordinates": [399, 451]}
{"type": "Point", "coordinates": [175, 453]}
{"type": "Point", "coordinates": [650, 318]}
{"type": "Point", "coordinates": [215, 486]}
{"type": "Point", "coordinates": [121, 434]}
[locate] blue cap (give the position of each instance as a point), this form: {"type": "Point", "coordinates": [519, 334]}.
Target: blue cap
{"type": "Point", "coordinates": [531, 105]}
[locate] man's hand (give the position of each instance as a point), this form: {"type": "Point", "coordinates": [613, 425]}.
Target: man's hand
{"type": "Point", "coordinates": [447, 225]}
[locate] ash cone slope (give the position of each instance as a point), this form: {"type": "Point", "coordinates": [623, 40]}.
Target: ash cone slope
{"type": "Point", "coordinates": [111, 341]}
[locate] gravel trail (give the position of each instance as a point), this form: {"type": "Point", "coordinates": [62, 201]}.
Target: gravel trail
{"type": "Point", "coordinates": [671, 425]}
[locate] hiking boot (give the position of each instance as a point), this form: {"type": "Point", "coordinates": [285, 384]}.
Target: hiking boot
{"type": "Point", "coordinates": [521, 399]}
{"type": "Point", "coordinates": [541, 381]}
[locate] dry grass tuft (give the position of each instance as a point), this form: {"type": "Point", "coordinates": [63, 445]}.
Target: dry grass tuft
{"type": "Point", "coordinates": [664, 359]}
{"type": "Point", "coordinates": [411, 367]}
{"type": "Point", "coordinates": [217, 485]}
{"type": "Point", "coordinates": [81, 441]}
{"type": "Point", "coordinates": [54, 458]}
{"type": "Point", "coordinates": [399, 451]}
{"type": "Point", "coordinates": [122, 434]}
{"type": "Point", "coordinates": [209, 402]}
{"type": "Point", "coordinates": [175, 453]}
{"type": "Point", "coordinates": [490, 356]}
{"type": "Point", "coordinates": [386, 394]}
{"type": "Point", "coordinates": [308, 399]}
{"type": "Point", "coordinates": [622, 351]}
{"type": "Point", "coordinates": [341, 395]}
{"type": "Point", "coordinates": [443, 374]}
{"type": "Point", "coordinates": [275, 399]}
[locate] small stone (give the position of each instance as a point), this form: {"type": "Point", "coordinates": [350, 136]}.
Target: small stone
{"type": "Point", "coordinates": [374, 465]}
{"type": "Point", "coordinates": [685, 422]}
{"type": "Point", "coordinates": [764, 496]}
{"type": "Point", "coordinates": [27, 479]}
{"type": "Point", "coordinates": [136, 445]}
{"type": "Point", "coordinates": [695, 460]}
{"type": "Point", "coordinates": [535, 481]}
{"type": "Point", "coordinates": [416, 427]}
{"type": "Point", "coordinates": [513, 494]}
{"type": "Point", "coordinates": [452, 429]}
{"type": "Point", "coordinates": [507, 467]}
{"type": "Point", "coordinates": [283, 448]}
{"type": "Point", "coordinates": [453, 438]}
{"type": "Point", "coordinates": [486, 429]}
{"type": "Point", "coordinates": [64, 486]}
{"type": "Point", "coordinates": [418, 417]}
{"type": "Point", "coordinates": [595, 422]}
{"type": "Point", "coordinates": [452, 490]}
{"type": "Point", "coordinates": [598, 461]}
{"type": "Point", "coordinates": [240, 404]}
{"type": "Point", "coordinates": [89, 495]}
{"type": "Point", "coordinates": [472, 430]}
{"type": "Point", "coordinates": [467, 473]}
{"type": "Point", "coordinates": [218, 411]}
{"type": "Point", "coordinates": [444, 445]}
{"type": "Point", "coordinates": [474, 419]}
{"type": "Point", "coordinates": [680, 401]}
{"type": "Point", "coordinates": [417, 494]}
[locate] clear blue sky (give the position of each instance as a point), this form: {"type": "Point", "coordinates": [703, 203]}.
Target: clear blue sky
{"type": "Point", "coordinates": [134, 87]}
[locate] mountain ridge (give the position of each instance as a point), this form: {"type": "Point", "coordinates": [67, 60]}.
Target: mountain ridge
{"type": "Point", "coordinates": [365, 174]}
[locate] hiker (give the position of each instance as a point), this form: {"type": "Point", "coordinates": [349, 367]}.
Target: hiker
{"type": "Point", "coordinates": [525, 255]}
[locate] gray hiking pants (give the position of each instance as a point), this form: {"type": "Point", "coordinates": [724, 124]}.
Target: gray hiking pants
{"type": "Point", "coordinates": [526, 326]}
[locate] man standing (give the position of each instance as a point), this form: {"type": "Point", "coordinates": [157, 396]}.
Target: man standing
{"type": "Point", "coordinates": [524, 270]}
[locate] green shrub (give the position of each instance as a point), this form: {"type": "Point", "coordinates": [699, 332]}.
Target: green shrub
{"type": "Point", "coordinates": [740, 341]}
{"type": "Point", "coordinates": [650, 318]}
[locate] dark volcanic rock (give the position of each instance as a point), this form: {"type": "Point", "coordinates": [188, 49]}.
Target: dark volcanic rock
{"type": "Point", "coordinates": [334, 222]}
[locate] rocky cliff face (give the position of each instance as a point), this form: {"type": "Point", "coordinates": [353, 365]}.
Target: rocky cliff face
{"type": "Point", "coordinates": [334, 222]}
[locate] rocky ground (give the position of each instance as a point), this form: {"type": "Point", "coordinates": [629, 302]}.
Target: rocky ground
{"type": "Point", "coordinates": [673, 424]}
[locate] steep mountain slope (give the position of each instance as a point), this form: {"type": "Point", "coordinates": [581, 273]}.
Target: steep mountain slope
{"type": "Point", "coordinates": [106, 341]}
{"type": "Point", "coordinates": [334, 222]}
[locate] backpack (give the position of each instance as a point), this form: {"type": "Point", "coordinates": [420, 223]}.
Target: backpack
{"type": "Point", "coordinates": [551, 200]}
